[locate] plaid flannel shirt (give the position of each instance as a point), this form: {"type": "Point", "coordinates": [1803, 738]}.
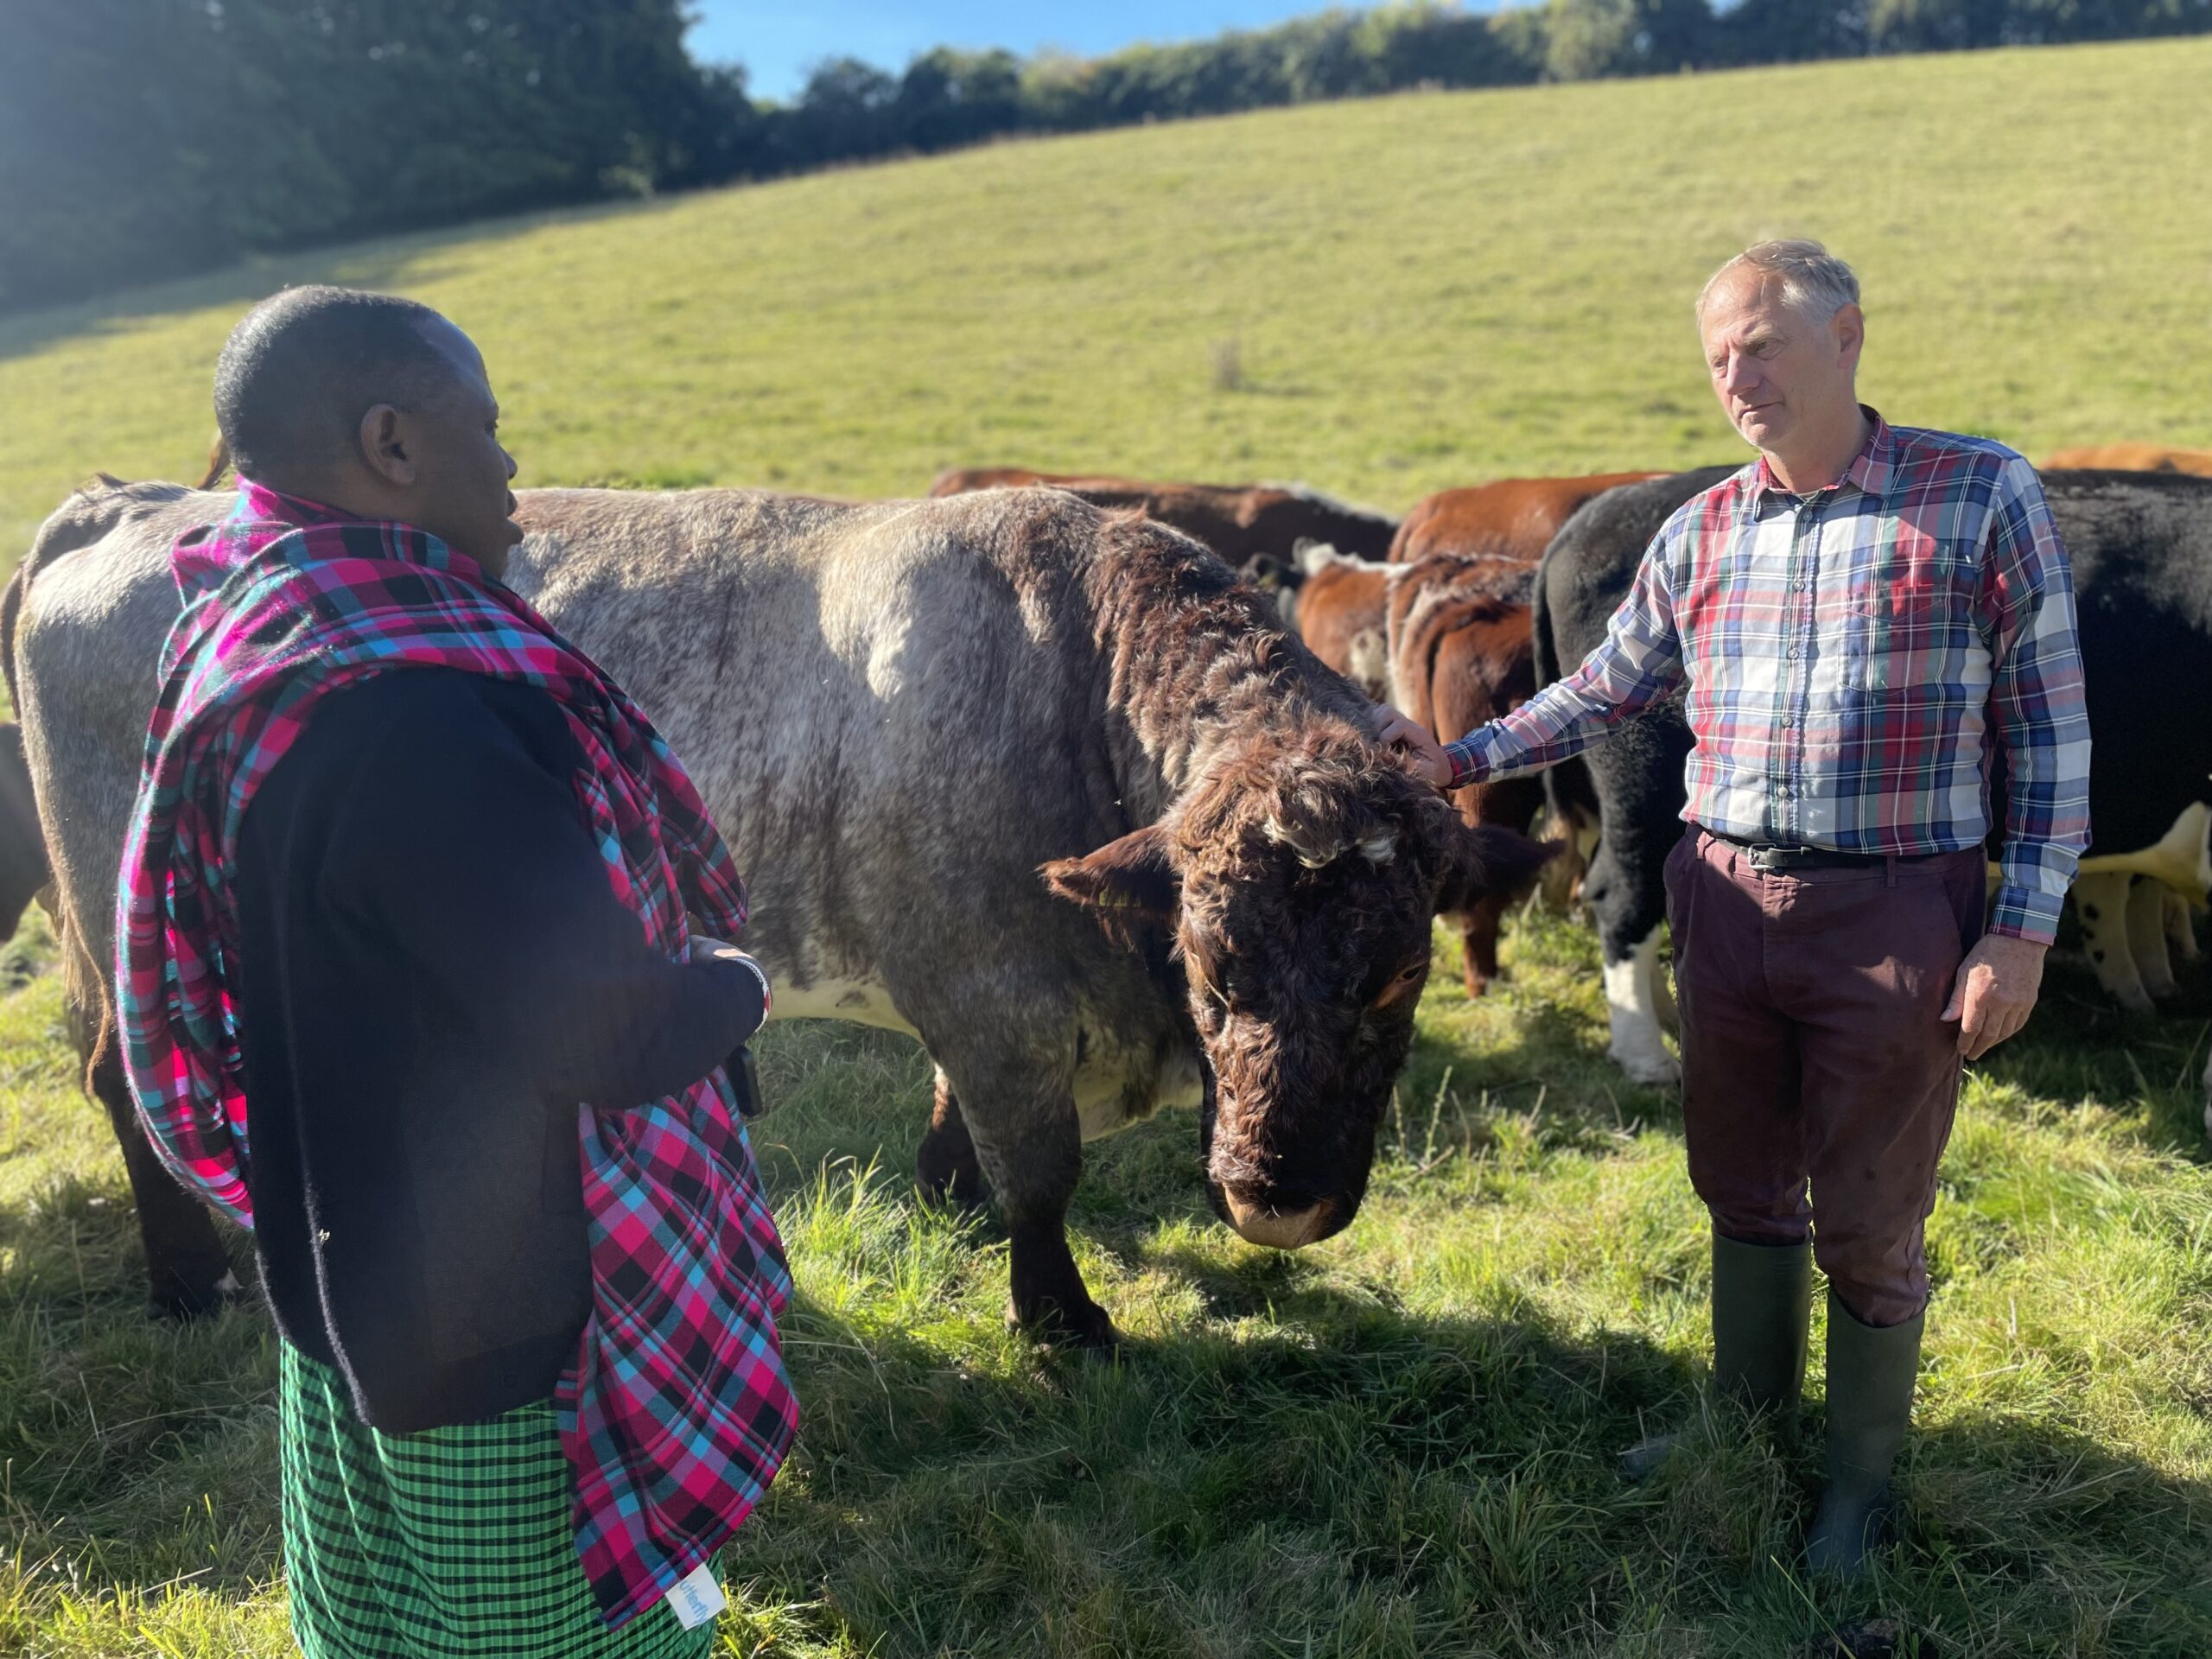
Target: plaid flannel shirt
{"type": "Point", "coordinates": [1847, 657]}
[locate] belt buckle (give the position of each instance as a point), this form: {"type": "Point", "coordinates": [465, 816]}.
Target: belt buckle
{"type": "Point", "coordinates": [1768, 859]}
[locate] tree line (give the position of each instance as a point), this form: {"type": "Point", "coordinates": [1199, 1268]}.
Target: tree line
{"type": "Point", "coordinates": [147, 138]}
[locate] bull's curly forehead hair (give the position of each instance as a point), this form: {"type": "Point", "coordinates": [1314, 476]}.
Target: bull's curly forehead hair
{"type": "Point", "coordinates": [303, 366]}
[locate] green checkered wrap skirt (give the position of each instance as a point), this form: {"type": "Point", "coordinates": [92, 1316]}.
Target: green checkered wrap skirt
{"type": "Point", "coordinates": [454, 1544]}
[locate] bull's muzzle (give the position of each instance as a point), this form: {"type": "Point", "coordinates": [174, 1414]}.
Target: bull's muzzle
{"type": "Point", "coordinates": [1280, 1230]}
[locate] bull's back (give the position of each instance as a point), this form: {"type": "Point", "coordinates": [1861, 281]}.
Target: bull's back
{"type": "Point", "coordinates": [879, 701]}
{"type": "Point", "coordinates": [96, 602]}
{"type": "Point", "coordinates": [881, 704]}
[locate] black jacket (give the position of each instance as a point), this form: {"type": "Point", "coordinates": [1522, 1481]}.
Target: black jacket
{"type": "Point", "coordinates": [434, 975]}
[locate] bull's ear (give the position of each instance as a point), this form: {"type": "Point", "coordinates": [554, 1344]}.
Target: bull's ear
{"type": "Point", "coordinates": [1127, 885]}
{"type": "Point", "coordinates": [1480, 861]}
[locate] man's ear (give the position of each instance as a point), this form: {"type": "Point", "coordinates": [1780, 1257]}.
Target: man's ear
{"type": "Point", "coordinates": [386, 446]}
{"type": "Point", "coordinates": [1849, 327]}
{"type": "Point", "coordinates": [1128, 885]}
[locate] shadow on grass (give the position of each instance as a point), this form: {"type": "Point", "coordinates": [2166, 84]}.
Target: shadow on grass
{"type": "Point", "coordinates": [1304, 1460]}
{"type": "Point", "coordinates": [2080, 1045]}
{"type": "Point", "coordinates": [1355, 1479]}
{"type": "Point", "coordinates": [409, 260]}
{"type": "Point", "coordinates": [1550, 1066]}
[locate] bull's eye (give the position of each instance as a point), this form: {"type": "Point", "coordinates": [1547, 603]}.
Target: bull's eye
{"type": "Point", "coordinates": [1403, 983]}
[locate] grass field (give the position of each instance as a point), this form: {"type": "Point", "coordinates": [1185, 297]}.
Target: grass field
{"type": "Point", "coordinates": [1399, 1442]}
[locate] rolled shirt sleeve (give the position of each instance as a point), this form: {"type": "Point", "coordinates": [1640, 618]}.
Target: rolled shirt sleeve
{"type": "Point", "coordinates": [1639, 661]}
{"type": "Point", "coordinates": [2037, 708]}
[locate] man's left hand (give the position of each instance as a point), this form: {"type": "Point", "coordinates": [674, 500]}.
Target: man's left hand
{"type": "Point", "coordinates": [1995, 992]}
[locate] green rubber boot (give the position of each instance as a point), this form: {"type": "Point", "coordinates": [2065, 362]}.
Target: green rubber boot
{"type": "Point", "coordinates": [1871, 1375]}
{"type": "Point", "coordinates": [1761, 1308]}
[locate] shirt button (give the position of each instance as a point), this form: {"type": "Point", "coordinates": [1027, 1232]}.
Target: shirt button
{"type": "Point", "coordinates": [1793, 653]}
{"type": "Point", "coordinates": [1788, 721]}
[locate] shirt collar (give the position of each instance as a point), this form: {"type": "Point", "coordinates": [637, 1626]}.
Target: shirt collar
{"type": "Point", "coordinates": [1872, 470]}
{"type": "Point", "coordinates": [261, 518]}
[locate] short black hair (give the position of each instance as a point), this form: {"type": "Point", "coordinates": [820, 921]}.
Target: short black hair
{"type": "Point", "coordinates": [303, 366]}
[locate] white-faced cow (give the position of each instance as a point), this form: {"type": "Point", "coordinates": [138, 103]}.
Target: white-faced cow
{"type": "Point", "coordinates": [2141, 549]}
{"type": "Point", "coordinates": [1038, 784]}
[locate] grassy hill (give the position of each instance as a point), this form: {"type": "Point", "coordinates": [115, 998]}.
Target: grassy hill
{"type": "Point", "coordinates": [1427, 290]}
{"type": "Point", "coordinates": [1400, 1442]}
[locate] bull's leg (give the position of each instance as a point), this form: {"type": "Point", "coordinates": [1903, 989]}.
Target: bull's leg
{"type": "Point", "coordinates": [188, 1273]}
{"type": "Point", "coordinates": [1029, 1142]}
{"type": "Point", "coordinates": [1561, 880]}
{"type": "Point", "coordinates": [1479, 942]}
{"type": "Point", "coordinates": [2101, 901]}
{"type": "Point", "coordinates": [945, 1167]}
{"type": "Point", "coordinates": [2180, 925]}
{"type": "Point", "coordinates": [2146, 935]}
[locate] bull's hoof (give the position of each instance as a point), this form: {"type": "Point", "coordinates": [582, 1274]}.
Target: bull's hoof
{"type": "Point", "coordinates": [960, 1185]}
{"type": "Point", "coordinates": [175, 1299]}
{"type": "Point", "coordinates": [1089, 1331]}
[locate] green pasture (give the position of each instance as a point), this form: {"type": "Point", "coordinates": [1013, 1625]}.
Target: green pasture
{"type": "Point", "coordinates": [1400, 1442]}
{"type": "Point", "coordinates": [1423, 291]}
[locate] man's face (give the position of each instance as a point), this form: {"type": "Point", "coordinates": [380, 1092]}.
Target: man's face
{"type": "Point", "coordinates": [1776, 371]}
{"type": "Point", "coordinates": [461, 469]}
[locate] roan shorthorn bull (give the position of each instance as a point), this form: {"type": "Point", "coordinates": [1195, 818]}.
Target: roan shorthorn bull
{"type": "Point", "coordinates": [925, 728]}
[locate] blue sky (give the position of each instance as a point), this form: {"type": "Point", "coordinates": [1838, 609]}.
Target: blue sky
{"type": "Point", "coordinates": [779, 43]}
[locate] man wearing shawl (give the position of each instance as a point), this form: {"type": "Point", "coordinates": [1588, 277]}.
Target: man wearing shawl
{"type": "Point", "coordinates": [408, 986]}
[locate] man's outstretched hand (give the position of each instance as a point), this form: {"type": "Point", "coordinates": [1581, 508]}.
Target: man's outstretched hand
{"type": "Point", "coordinates": [1995, 992]}
{"type": "Point", "coordinates": [1423, 755]}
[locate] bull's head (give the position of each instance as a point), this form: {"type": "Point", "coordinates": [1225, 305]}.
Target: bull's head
{"type": "Point", "coordinates": [1297, 880]}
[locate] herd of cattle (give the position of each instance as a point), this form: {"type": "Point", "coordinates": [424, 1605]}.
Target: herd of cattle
{"type": "Point", "coordinates": [1091, 807]}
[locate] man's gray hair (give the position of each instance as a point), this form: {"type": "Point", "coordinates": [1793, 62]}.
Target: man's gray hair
{"type": "Point", "coordinates": [1815, 283]}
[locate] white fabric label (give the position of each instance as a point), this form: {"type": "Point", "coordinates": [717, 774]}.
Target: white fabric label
{"type": "Point", "coordinates": [699, 1598]}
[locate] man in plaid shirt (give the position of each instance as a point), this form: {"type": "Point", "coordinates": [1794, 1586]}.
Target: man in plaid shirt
{"type": "Point", "coordinates": [1859, 620]}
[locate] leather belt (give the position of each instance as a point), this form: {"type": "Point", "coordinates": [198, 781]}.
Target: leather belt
{"type": "Point", "coordinates": [1773, 858]}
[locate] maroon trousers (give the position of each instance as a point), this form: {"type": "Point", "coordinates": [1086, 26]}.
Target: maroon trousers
{"type": "Point", "coordinates": [1813, 1052]}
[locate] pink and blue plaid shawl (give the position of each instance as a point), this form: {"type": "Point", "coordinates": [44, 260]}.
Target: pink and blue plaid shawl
{"type": "Point", "coordinates": [677, 1412]}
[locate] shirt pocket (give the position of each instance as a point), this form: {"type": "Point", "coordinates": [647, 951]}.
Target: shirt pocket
{"type": "Point", "coordinates": [1911, 615]}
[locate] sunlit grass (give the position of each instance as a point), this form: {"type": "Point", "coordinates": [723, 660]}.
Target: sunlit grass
{"type": "Point", "coordinates": [1400, 1442]}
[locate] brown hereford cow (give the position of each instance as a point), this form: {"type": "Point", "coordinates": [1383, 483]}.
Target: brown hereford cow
{"type": "Point", "coordinates": [1245, 523]}
{"type": "Point", "coordinates": [1447, 641]}
{"type": "Point", "coordinates": [1461, 654]}
{"type": "Point", "coordinates": [1342, 613]}
{"type": "Point", "coordinates": [2135, 457]}
{"type": "Point", "coordinates": [1514, 518]}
